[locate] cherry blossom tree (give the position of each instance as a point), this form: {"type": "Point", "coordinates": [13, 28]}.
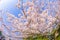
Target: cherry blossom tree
{"type": "Point", "coordinates": [35, 19]}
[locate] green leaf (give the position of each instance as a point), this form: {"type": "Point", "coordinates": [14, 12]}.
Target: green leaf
{"type": "Point", "coordinates": [0, 33]}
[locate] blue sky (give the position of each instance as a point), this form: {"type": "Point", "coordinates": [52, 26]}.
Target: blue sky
{"type": "Point", "coordinates": [10, 6]}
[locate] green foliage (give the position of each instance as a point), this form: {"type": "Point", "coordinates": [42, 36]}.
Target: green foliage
{"type": "Point", "coordinates": [0, 33]}
{"type": "Point", "coordinates": [49, 37]}
{"type": "Point", "coordinates": [58, 38]}
{"type": "Point", "coordinates": [36, 37]}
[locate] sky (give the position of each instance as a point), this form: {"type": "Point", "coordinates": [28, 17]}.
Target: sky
{"type": "Point", "coordinates": [10, 6]}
